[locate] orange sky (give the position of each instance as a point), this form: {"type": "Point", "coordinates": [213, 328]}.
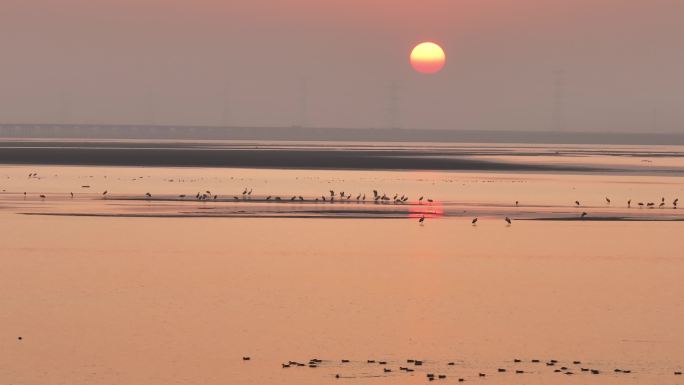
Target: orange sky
{"type": "Point", "coordinates": [333, 63]}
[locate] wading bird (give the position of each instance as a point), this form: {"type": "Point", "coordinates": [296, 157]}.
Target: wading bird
{"type": "Point", "coordinates": [508, 220]}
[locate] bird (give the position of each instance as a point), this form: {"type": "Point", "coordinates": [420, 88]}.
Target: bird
{"type": "Point", "coordinates": [516, 203]}
{"type": "Point", "coordinates": [607, 200]}
{"type": "Point", "coordinates": [629, 203]}
{"type": "Point", "coordinates": [104, 193]}
{"type": "Point", "coordinates": [474, 221]}
{"type": "Point", "coordinates": [584, 214]}
{"type": "Point", "coordinates": [72, 195]}
{"type": "Point", "coordinates": [508, 220]}
{"type": "Point", "coordinates": [268, 198]}
{"type": "Point", "coordinates": [246, 358]}
{"type": "Point", "coordinates": [577, 203]}
{"type": "Point", "coordinates": [430, 200]}
{"type": "Point", "coordinates": [422, 219]}
{"type": "Point", "coordinates": [148, 195]}
{"type": "Point", "coordinates": [42, 196]}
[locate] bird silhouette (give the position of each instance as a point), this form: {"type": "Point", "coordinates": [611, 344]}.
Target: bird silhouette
{"type": "Point", "coordinates": [422, 219]}
{"type": "Point", "coordinates": [584, 214]}
{"type": "Point", "coordinates": [474, 221]}
{"type": "Point", "coordinates": [508, 220]}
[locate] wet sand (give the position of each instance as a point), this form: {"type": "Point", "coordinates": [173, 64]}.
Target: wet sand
{"type": "Point", "coordinates": [128, 288]}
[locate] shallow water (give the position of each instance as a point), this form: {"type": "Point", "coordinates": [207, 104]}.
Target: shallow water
{"type": "Point", "coordinates": [156, 300]}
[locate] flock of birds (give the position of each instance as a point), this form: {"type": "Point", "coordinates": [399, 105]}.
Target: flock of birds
{"type": "Point", "coordinates": [412, 365]}
{"type": "Point", "coordinates": [342, 196]}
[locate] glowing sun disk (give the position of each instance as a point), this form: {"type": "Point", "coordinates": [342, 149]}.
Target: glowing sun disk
{"type": "Point", "coordinates": [427, 58]}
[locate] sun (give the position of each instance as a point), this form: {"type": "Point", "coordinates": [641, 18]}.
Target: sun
{"type": "Point", "coordinates": [428, 58]}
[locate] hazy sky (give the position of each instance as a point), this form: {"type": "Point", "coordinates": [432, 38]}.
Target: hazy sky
{"type": "Point", "coordinates": [608, 64]}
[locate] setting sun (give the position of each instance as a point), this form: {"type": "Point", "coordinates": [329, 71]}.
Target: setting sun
{"type": "Point", "coordinates": [427, 58]}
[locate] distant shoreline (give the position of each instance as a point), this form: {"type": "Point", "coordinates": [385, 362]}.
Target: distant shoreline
{"type": "Point", "coordinates": [161, 132]}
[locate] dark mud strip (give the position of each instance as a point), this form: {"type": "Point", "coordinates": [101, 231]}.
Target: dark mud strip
{"type": "Point", "coordinates": [604, 219]}
{"type": "Point", "coordinates": [264, 158]}
{"type": "Point", "coordinates": [228, 215]}
{"type": "Point", "coordinates": [339, 215]}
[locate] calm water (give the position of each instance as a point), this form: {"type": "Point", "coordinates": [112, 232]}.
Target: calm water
{"type": "Point", "coordinates": [157, 291]}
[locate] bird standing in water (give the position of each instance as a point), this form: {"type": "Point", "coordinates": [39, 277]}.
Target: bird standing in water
{"type": "Point", "coordinates": [474, 221]}
{"type": "Point", "coordinates": [422, 219]}
{"type": "Point", "coordinates": [508, 220]}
